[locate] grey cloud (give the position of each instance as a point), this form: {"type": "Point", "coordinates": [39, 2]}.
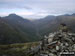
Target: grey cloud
{"type": "Point", "coordinates": [41, 6]}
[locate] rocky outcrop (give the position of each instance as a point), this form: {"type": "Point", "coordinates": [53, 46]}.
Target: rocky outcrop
{"type": "Point", "coordinates": [57, 43]}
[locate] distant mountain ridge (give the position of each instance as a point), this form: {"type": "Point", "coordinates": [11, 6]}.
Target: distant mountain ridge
{"type": "Point", "coordinates": [15, 29]}
{"type": "Point", "coordinates": [22, 26]}
{"type": "Point", "coordinates": [51, 23]}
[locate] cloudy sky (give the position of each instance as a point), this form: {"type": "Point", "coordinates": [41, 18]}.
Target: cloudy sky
{"type": "Point", "coordinates": [36, 8]}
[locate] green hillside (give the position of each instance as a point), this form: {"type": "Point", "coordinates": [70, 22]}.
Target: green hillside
{"type": "Point", "coordinates": [9, 35]}
{"type": "Point", "coordinates": [52, 23]}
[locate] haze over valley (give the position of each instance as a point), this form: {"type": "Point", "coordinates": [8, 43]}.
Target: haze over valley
{"type": "Point", "coordinates": [16, 29]}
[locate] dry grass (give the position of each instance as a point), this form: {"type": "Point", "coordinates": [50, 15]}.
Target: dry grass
{"type": "Point", "coordinates": [16, 49]}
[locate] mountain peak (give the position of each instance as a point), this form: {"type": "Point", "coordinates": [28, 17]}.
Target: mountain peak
{"type": "Point", "coordinates": [12, 14]}
{"type": "Point", "coordinates": [73, 14]}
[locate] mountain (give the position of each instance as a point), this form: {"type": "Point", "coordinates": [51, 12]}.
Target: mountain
{"type": "Point", "coordinates": [9, 35]}
{"type": "Point", "coordinates": [20, 23]}
{"type": "Point", "coordinates": [52, 23]}
{"type": "Point", "coordinates": [44, 25]}
{"type": "Point", "coordinates": [68, 20]}
{"type": "Point", "coordinates": [17, 30]}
